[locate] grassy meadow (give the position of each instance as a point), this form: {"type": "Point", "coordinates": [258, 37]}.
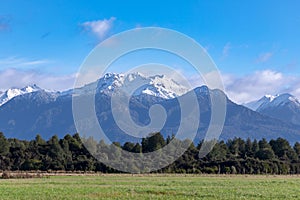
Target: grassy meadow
{"type": "Point", "coordinates": [161, 186]}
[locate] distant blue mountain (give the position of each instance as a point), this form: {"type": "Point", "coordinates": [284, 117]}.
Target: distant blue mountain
{"type": "Point", "coordinates": [48, 113]}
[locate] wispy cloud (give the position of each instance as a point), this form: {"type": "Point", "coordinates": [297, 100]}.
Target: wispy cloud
{"type": "Point", "coordinates": [4, 23]}
{"type": "Point", "coordinates": [208, 47]}
{"type": "Point", "coordinates": [43, 36]}
{"type": "Point", "coordinates": [100, 28]}
{"type": "Point", "coordinates": [264, 57]}
{"type": "Point", "coordinates": [226, 50]}
{"type": "Point", "coordinates": [16, 62]}
{"type": "Point", "coordinates": [19, 78]}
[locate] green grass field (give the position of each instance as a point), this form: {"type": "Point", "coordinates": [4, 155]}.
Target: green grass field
{"type": "Point", "coordinates": [152, 187]}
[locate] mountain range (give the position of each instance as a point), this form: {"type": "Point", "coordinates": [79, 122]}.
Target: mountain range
{"type": "Point", "coordinates": [31, 110]}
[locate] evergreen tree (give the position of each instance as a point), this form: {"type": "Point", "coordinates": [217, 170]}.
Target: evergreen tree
{"type": "Point", "coordinates": [248, 148]}
{"type": "Point", "coordinates": [153, 142]}
{"type": "Point", "coordinates": [297, 149]}
{"type": "Point", "coordinates": [4, 145]}
{"type": "Point", "coordinates": [282, 149]}
{"type": "Point", "coordinates": [265, 151]}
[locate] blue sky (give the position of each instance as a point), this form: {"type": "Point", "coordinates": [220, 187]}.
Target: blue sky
{"type": "Point", "coordinates": [46, 41]}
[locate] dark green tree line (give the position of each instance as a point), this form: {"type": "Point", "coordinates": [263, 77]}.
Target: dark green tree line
{"type": "Point", "coordinates": [69, 154]}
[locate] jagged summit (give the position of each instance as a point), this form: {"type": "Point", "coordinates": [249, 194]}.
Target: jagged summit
{"type": "Point", "coordinates": [14, 91]}
{"type": "Point", "coordinates": [285, 107]}
{"type": "Point", "coordinates": [157, 85]}
{"type": "Point", "coordinates": [269, 101]}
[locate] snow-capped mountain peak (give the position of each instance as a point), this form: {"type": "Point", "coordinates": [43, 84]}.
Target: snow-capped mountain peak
{"type": "Point", "coordinates": [285, 107]}
{"type": "Point", "coordinates": [272, 101]}
{"type": "Point", "coordinates": [254, 105]}
{"type": "Point", "coordinates": [284, 99]}
{"type": "Point", "coordinates": [13, 92]}
{"type": "Point", "coordinates": [157, 85]}
{"type": "Point", "coordinates": [270, 97]}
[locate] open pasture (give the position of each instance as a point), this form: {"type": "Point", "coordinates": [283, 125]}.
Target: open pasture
{"type": "Point", "coordinates": [152, 186]}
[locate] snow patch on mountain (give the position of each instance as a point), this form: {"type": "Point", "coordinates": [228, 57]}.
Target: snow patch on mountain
{"type": "Point", "coordinates": [136, 84]}
{"type": "Point", "coordinates": [269, 101]}
{"type": "Point", "coordinates": [13, 92]}
{"type": "Point", "coordinates": [281, 100]}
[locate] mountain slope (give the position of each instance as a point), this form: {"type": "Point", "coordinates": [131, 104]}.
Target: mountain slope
{"type": "Point", "coordinates": [158, 85]}
{"type": "Point", "coordinates": [49, 113]}
{"type": "Point", "coordinates": [254, 105]}
{"type": "Point", "coordinates": [285, 107]}
{"type": "Point", "coordinates": [13, 92]}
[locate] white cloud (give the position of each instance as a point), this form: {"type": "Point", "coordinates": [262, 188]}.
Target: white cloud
{"type": "Point", "coordinates": [99, 27]}
{"type": "Point", "coordinates": [250, 87]}
{"type": "Point", "coordinates": [253, 86]}
{"type": "Point", "coordinates": [264, 57]}
{"type": "Point", "coordinates": [19, 78]}
{"type": "Point", "coordinates": [16, 62]}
